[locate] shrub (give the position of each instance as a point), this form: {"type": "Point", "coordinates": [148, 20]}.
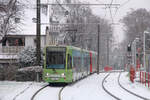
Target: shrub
{"type": "Point", "coordinates": [27, 57]}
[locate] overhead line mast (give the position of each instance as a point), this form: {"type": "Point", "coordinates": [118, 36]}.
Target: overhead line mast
{"type": "Point", "coordinates": [38, 34]}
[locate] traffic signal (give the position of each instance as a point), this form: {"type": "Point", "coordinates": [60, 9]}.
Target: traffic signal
{"type": "Point", "coordinates": [129, 48]}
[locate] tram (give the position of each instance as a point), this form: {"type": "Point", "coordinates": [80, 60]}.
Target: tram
{"type": "Point", "coordinates": [67, 64]}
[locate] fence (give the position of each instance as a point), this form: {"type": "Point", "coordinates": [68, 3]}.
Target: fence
{"type": "Point", "coordinates": [12, 49]}
{"type": "Point", "coordinates": [145, 78]}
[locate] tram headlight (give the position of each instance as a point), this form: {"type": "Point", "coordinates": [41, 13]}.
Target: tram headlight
{"type": "Point", "coordinates": [47, 74]}
{"type": "Point", "coordinates": [63, 75]}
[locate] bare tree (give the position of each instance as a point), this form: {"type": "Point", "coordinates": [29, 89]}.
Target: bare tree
{"type": "Point", "coordinates": [136, 22]}
{"type": "Point", "coordinates": [9, 16]}
{"type": "Point", "coordinates": [84, 31]}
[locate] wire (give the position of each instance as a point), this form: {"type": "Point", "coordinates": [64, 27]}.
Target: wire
{"type": "Point", "coordinates": [60, 5]}
{"type": "Point", "coordinates": [121, 6]}
{"type": "Point", "coordinates": [110, 11]}
{"type": "Point", "coordinates": [117, 9]}
{"type": "Point", "coordinates": [111, 3]}
{"type": "Point", "coordinates": [111, 15]}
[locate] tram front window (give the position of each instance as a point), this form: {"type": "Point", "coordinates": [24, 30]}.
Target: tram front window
{"type": "Point", "coordinates": [55, 59]}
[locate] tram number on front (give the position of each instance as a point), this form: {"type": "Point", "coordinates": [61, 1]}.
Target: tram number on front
{"type": "Point", "coordinates": [54, 78]}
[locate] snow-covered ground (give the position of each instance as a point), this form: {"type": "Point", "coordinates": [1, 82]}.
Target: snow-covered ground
{"type": "Point", "coordinates": [10, 90]}
{"type": "Point", "coordinates": [113, 87]}
{"type": "Point", "coordinates": [89, 88]}
{"type": "Point", "coordinates": [135, 87]}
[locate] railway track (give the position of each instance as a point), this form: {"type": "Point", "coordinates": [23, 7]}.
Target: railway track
{"type": "Point", "coordinates": [130, 91]}
{"type": "Point", "coordinates": [38, 92]}
{"type": "Point", "coordinates": [126, 90]}
{"type": "Point", "coordinates": [60, 92]}
{"type": "Point", "coordinates": [108, 90]}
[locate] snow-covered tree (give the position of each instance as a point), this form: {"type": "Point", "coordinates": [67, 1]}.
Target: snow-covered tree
{"type": "Point", "coordinates": [9, 16]}
{"type": "Point", "coordinates": [136, 22]}
{"type": "Point", "coordinates": [27, 57]}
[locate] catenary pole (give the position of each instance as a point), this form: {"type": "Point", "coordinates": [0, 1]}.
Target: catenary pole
{"type": "Point", "coordinates": [107, 50]}
{"type": "Point", "coordinates": [38, 33]}
{"type": "Point", "coordinates": [98, 48]}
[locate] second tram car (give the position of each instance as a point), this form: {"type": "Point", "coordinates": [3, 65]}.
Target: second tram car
{"type": "Point", "coordinates": [66, 64]}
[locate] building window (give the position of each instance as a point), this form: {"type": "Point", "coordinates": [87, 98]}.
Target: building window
{"type": "Point", "coordinates": [17, 20]}
{"type": "Point", "coordinates": [34, 20]}
{"type": "Point", "coordinates": [44, 9]}
{"type": "Point", "coordinates": [14, 41]}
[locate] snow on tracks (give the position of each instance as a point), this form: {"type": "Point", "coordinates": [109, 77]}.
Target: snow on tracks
{"type": "Point", "coordinates": [22, 91]}
{"type": "Point", "coordinates": [87, 89]}
{"type": "Point", "coordinates": [38, 92]}
{"type": "Point", "coordinates": [144, 98]}
{"type": "Point", "coordinates": [111, 84]}
{"type": "Point", "coordinates": [104, 80]}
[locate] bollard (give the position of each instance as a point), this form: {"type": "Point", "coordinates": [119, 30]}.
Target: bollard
{"type": "Point", "coordinates": [143, 77]}
{"type": "Point", "coordinates": [140, 77]}
{"type": "Point", "coordinates": [148, 79]}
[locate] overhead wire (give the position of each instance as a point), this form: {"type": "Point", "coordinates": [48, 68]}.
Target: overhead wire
{"type": "Point", "coordinates": [110, 11]}
{"type": "Point", "coordinates": [121, 6]}
{"type": "Point", "coordinates": [117, 8]}
{"type": "Point", "coordinates": [61, 5]}
{"type": "Point", "coordinates": [104, 8]}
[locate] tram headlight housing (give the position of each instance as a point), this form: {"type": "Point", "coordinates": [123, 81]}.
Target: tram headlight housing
{"type": "Point", "coordinates": [47, 74]}
{"type": "Point", "coordinates": [63, 75]}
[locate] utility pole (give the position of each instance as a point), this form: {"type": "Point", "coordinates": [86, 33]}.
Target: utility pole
{"type": "Point", "coordinates": [107, 50]}
{"type": "Point", "coordinates": [38, 33]}
{"type": "Point", "coordinates": [98, 48]}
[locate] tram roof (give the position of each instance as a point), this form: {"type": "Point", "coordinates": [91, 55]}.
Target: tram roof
{"type": "Point", "coordinates": [72, 47]}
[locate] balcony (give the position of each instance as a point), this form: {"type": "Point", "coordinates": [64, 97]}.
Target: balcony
{"type": "Point", "coordinates": [12, 49]}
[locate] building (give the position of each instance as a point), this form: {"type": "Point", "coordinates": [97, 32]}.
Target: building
{"type": "Point", "coordinates": [13, 43]}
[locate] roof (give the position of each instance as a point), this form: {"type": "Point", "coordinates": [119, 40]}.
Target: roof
{"type": "Point", "coordinates": [72, 47]}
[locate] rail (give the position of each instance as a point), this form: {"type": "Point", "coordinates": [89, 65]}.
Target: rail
{"type": "Point", "coordinates": [107, 90]}
{"type": "Point", "coordinates": [38, 92]}
{"type": "Point", "coordinates": [130, 91]}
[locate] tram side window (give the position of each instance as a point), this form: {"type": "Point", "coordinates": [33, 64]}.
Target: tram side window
{"type": "Point", "coordinates": [69, 62]}
{"type": "Point", "coordinates": [77, 63]}
{"type": "Point", "coordinates": [86, 61]}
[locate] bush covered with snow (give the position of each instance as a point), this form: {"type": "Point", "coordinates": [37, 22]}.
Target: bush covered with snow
{"type": "Point", "coordinates": [27, 57]}
{"type": "Point", "coordinates": [29, 73]}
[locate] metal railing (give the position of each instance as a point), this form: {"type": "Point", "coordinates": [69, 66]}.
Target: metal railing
{"type": "Point", "coordinates": [12, 49]}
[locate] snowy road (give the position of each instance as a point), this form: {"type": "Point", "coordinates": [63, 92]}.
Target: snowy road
{"type": "Point", "coordinates": [112, 85]}
{"type": "Point", "coordinates": [89, 88]}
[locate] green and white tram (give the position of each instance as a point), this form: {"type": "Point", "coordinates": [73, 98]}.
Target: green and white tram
{"type": "Point", "coordinates": [66, 64]}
